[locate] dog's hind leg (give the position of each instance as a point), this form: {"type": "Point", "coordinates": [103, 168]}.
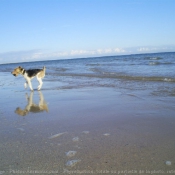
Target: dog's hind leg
{"type": "Point", "coordinates": [40, 83]}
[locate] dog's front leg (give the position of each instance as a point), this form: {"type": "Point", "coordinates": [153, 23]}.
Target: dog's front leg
{"type": "Point", "coordinates": [25, 84]}
{"type": "Point", "coordinates": [30, 102]}
{"type": "Point", "coordinates": [30, 85]}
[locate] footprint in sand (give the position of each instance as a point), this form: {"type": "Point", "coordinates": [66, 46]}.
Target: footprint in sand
{"type": "Point", "coordinates": [57, 135]}
{"type": "Point", "coordinates": [21, 129]}
{"type": "Point", "coordinates": [72, 163]}
{"type": "Point", "coordinates": [168, 162]}
{"type": "Point", "coordinates": [106, 134]}
{"type": "Point", "coordinates": [71, 153]}
{"type": "Point", "coordinates": [85, 132]}
{"type": "Point", "coordinates": [75, 139]}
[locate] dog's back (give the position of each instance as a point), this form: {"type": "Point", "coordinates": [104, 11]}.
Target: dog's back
{"type": "Point", "coordinates": [42, 73]}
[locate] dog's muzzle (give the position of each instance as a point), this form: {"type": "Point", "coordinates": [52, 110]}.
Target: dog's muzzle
{"type": "Point", "coordinates": [14, 75]}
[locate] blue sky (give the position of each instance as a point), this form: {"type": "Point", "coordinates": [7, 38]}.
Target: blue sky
{"type": "Point", "coordinates": [59, 29]}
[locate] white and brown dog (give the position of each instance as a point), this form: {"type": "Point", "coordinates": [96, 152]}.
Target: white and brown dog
{"type": "Point", "coordinates": [29, 75]}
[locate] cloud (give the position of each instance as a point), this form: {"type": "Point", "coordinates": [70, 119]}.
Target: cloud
{"type": "Point", "coordinates": [76, 53]}
{"type": "Point", "coordinates": [97, 51]}
{"type": "Point", "coordinates": [18, 56]}
{"type": "Point", "coordinates": [146, 49]}
{"type": "Point", "coordinates": [79, 52]}
{"type": "Point", "coordinates": [155, 49]}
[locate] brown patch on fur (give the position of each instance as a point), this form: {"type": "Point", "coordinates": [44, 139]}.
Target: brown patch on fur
{"type": "Point", "coordinates": [42, 73]}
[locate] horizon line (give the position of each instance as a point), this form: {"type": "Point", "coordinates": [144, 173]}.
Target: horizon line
{"type": "Point", "coordinates": [89, 57]}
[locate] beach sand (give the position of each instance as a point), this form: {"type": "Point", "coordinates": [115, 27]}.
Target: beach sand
{"type": "Point", "coordinates": [90, 130]}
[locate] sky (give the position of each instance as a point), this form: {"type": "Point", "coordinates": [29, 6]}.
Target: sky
{"type": "Point", "coordinates": [32, 30]}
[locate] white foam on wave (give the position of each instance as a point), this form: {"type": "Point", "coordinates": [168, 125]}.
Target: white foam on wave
{"type": "Point", "coordinates": [168, 79]}
{"type": "Point", "coordinates": [154, 58]}
{"type": "Point", "coordinates": [154, 63]}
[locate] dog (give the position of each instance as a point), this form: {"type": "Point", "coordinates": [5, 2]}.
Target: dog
{"type": "Point", "coordinates": [29, 75]}
{"type": "Point", "coordinates": [31, 106]}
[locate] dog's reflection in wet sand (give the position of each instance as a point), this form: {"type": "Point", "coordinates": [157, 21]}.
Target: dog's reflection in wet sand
{"type": "Point", "coordinates": [31, 106]}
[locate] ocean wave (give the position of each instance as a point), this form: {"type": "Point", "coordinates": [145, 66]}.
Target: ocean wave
{"type": "Point", "coordinates": [164, 92]}
{"type": "Point", "coordinates": [153, 58]}
{"type": "Point", "coordinates": [93, 64]}
{"type": "Point", "coordinates": [159, 63]}
{"type": "Point", "coordinates": [96, 70]}
{"type": "Point", "coordinates": [112, 75]}
{"type": "Point", "coordinates": [154, 63]}
{"type": "Point", "coordinates": [156, 58]}
{"type": "Point", "coordinates": [59, 69]}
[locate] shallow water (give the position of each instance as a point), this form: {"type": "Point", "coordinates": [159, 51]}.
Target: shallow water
{"type": "Point", "coordinates": [145, 71]}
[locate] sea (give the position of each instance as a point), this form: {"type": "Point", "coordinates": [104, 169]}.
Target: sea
{"type": "Point", "coordinates": [154, 72]}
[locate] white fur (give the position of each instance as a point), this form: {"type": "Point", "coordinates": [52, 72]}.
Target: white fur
{"type": "Point", "coordinates": [28, 81]}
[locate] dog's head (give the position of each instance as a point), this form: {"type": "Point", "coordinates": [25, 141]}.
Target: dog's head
{"type": "Point", "coordinates": [17, 71]}
{"type": "Point", "coordinates": [21, 112]}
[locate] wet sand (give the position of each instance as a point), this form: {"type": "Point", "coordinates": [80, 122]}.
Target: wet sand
{"type": "Point", "coordinates": [85, 130]}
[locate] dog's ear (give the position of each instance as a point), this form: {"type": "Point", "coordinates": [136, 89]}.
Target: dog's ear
{"type": "Point", "coordinates": [20, 67]}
